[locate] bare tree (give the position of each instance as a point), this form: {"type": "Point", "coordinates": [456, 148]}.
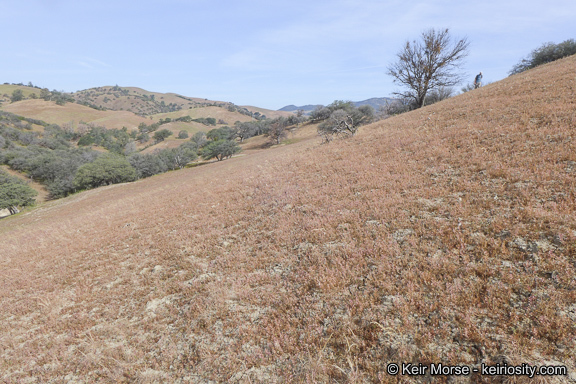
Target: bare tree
{"type": "Point", "coordinates": [341, 123]}
{"type": "Point", "coordinates": [429, 64]}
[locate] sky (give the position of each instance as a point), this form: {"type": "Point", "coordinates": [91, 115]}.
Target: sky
{"type": "Point", "coordinates": [263, 53]}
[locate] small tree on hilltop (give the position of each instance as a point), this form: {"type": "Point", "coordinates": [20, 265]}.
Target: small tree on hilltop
{"type": "Point", "coordinates": [45, 94]}
{"type": "Point", "coordinates": [429, 64]}
{"type": "Point", "coordinates": [17, 95]}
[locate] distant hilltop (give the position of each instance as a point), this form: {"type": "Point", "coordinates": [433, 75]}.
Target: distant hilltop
{"type": "Point", "coordinates": [375, 102]}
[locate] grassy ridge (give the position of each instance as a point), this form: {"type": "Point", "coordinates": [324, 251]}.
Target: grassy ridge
{"type": "Point", "coordinates": [122, 106]}
{"type": "Point", "coordinates": [7, 89]}
{"type": "Point", "coordinates": [52, 113]}
{"type": "Point", "coordinates": [447, 234]}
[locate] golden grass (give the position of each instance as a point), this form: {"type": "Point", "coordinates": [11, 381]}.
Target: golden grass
{"type": "Point", "coordinates": [7, 89]}
{"type": "Point", "coordinates": [447, 234]}
{"type": "Point", "coordinates": [216, 112]}
{"type": "Point", "coordinates": [270, 114]}
{"type": "Point", "coordinates": [121, 109]}
{"type": "Point", "coordinates": [169, 143]}
{"type": "Point", "coordinates": [52, 113]}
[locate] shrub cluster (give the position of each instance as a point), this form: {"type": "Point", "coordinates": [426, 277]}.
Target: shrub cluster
{"type": "Point", "coordinates": [14, 193]}
{"type": "Point", "coordinates": [341, 119]}
{"type": "Point", "coordinates": [218, 143]}
{"type": "Point", "coordinates": [114, 140]}
{"type": "Point", "coordinates": [51, 158]}
{"type": "Point", "coordinates": [546, 53]}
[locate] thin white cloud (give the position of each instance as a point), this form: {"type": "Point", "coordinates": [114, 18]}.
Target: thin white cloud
{"type": "Point", "coordinates": [85, 65]}
{"type": "Point", "coordinates": [97, 62]}
{"type": "Point", "coordinates": [90, 63]}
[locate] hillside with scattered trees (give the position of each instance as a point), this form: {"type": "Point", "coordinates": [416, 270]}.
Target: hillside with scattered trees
{"type": "Point", "coordinates": [443, 235]}
{"type": "Point", "coordinates": [74, 157]}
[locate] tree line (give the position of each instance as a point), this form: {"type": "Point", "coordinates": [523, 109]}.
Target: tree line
{"type": "Point", "coordinates": [62, 158]}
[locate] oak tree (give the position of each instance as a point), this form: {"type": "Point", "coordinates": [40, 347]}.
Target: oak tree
{"type": "Point", "coordinates": [428, 64]}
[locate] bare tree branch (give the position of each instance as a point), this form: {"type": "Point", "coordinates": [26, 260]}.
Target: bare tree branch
{"type": "Point", "coordinates": [429, 64]}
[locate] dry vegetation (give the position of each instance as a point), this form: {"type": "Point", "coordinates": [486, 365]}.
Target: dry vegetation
{"type": "Point", "coordinates": [124, 107]}
{"type": "Point", "coordinates": [447, 234]}
{"type": "Point", "coordinates": [52, 113]}
{"type": "Point", "coordinates": [7, 89]}
{"type": "Point", "coordinates": [220, 113]}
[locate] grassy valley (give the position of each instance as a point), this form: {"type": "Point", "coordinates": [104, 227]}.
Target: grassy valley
{"type": "Point", "coordinates": [48, 136]}
{"type": "Point", "coordinates": [442, 235]}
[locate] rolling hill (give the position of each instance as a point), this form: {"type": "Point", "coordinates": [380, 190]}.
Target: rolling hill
{"type": "Point", "coordinates": [53, 113]}
{"type": "Point", "coordinates": [117, 107]}
{"type": "Point", "coordinates": [443, 235]}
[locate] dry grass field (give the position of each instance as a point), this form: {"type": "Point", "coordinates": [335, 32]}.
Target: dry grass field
{"type": "Point", "coordinates": [7, 89]}
{"type": "Point", "coordinates": [53, 113]}
{"type": "Point", "coordinates": [125, 107]}
{"type": "Point", "coordinates": [217, 113]}
{"type": "Point", "coordinates": [444, 235]}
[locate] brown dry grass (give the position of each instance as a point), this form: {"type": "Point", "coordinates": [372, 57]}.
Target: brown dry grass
{"type": "Point", "coordinates": [216, 112]}
{"type": "Point", "coordinates": [443, 235]}
{"type": "Point", "coordinates": [52, 113]}
{"type": "Point", "coordinates": [7, 89]}
{"type": "Point", "coordinates": [269, 113]}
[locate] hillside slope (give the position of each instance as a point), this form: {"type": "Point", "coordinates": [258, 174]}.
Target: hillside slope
{"type": "Point", "coordinates": [447, 234]}
{"type": "Point", "coordinates": [146, 103]}
{"type": "Point", "coordinates": [117, 107]}
{"type": "Point", "coordinates": [53, 113]}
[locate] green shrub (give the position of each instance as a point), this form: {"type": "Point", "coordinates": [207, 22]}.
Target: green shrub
{"type": "Point", "coordinates": [17, 95]}
{"type": "Point", "coordinates": [105, 170]}
{"type": "Point", "coordinates": [15, 193]}
{"type": "Point", "coordinates": [220, 149]}
{"type": "Point", "coordinates": [161, 135]}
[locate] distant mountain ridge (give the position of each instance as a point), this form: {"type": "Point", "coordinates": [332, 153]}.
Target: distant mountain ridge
{"type": "Point", "coordinates": [374, 102]}
{"type": "Point", "coordinates": [305, 108]}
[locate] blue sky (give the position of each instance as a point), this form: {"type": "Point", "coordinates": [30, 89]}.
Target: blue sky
{"type": "Point", "coordinates": [264, 53]}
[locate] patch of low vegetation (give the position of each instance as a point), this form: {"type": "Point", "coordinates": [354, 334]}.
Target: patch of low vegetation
{"type": "Point", "coordinates": [341, 119]}
{"type": "Point", "coordinates": [544, 54]}
{"type": "Point", "coordinates": [65, 161]}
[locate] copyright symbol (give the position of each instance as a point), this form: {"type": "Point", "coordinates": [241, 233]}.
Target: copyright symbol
{"type": "Point", "coordinates": [392, 369]}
